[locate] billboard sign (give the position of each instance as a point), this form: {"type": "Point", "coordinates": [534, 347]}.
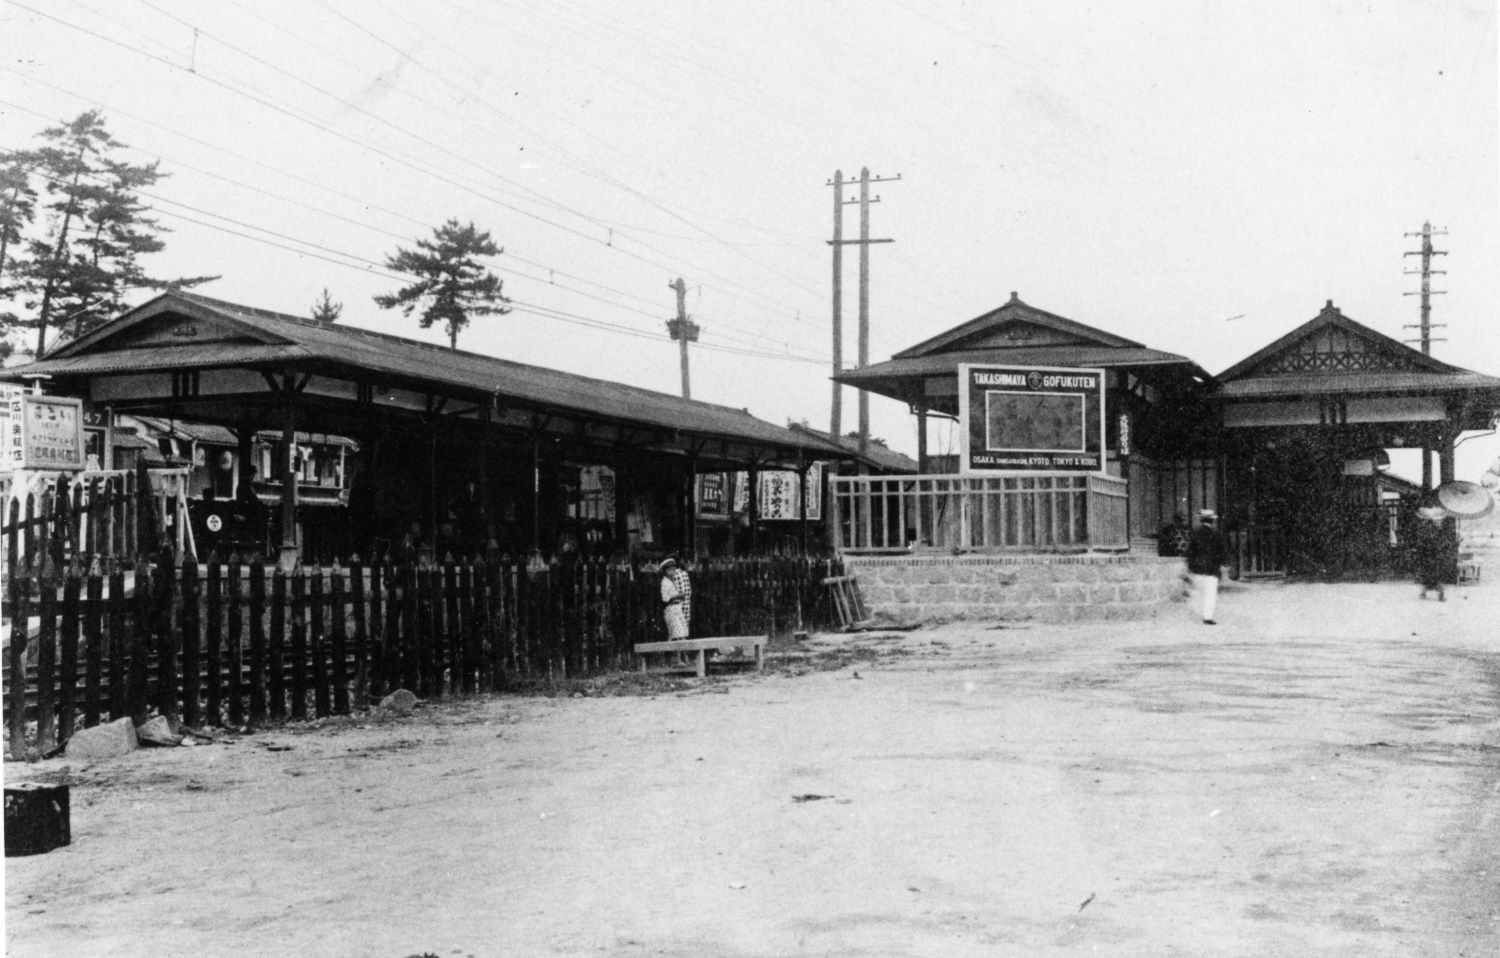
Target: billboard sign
{"type": "Point", "coordinates": [44, 432]}
{"type": "Point", "coordinates": [1025, 419]}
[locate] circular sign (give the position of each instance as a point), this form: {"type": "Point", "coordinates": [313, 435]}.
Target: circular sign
{"type": "Point", "coordinates": [1034, 380]}
{"type": "Point", "coordinates": [214, 523]}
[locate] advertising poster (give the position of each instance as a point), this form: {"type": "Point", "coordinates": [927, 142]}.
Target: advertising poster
{"type": "Point", "coordinates": [713, 496]}
{"type": "Point", "coordinates": [1025, 419]}
{"type": "Point", "coordinates": [778, 493]}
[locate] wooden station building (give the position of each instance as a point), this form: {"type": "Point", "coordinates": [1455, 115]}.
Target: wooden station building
{"type": "Point", "coordinates": [456, 452]}
{"type": "Point", "coordinates": [1288, 445]}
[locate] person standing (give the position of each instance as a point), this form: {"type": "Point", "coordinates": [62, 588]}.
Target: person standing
{"type": "Point", "coordinates": [1430, 549]}
{"type": "Point", "coordinates": [676, 597]}
{"type": "Point", "coordinates": [1205, 556]}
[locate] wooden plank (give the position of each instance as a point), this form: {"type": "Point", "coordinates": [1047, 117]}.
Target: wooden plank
{"type": "Point", "coordinates": [140, 643]}
{"type": "Point", "coordinates": [362, 665]}
{"type": "Point", "coordinates": [407, 597]}
{"type": "Point", "coordinates": [166, 648]}
{"type": "Point", "coordinates": [19, 589]}
{"type": "Point", "coordinates": [192, 642]}
{"type": "Point", "coordinates": [67, 684]}
{"type": "Point", "coordinates": [276, 649]}
{"type": "Point", "coordinates": [46, 659]}
{"type": "Point", "coordinates": [93, 649]}
{"type": "Point", "coordinates": [338, 631]}
{"type": "Point", "coordinates": [237, 688]}
{"type": "Point", "coordinates": [318, 645]}
{"type": "Point", "coordinates": [119, 645]}
{"type": "Point", "coordinates": [468, 633]}
{"type": "Point", "coordinates": [452, 628]}
{"type": "Point", "coordinates": [298, 638]}
{"type": "Point", "coordinates": [213, 640]}
{"type": "Point", "coordinates": [258, 693]}
{"type": "Point", "coordinates": [429, 676]}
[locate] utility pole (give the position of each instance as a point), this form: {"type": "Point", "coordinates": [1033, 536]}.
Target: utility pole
{"type": "Point", "coordinates": [683, 330]}
{"type": "Point", "coordinates": [1427, 292]}
{"type": "Point", "coordinates": [864, 241]}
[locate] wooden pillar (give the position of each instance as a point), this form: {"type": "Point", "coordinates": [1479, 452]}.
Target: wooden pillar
{"type": "Point", "coordinates": [622, 499]}
{"type": "Point", "coordinates": [802, 470]}
{"type": "Point", "coordinates": [483, 487]}
{"type": "Point", "coordinates": [536, 492]}
{"type": "Point", "coordinates": [290, 553]}
{"type": "Point", "coordinates": [753, 504]}
{"type": "Point", "coordinates": [690, 509]}
{"type": "Point", "coordinates": [244, 449]}
{"type": "Point", "coordinates": [921, 440]}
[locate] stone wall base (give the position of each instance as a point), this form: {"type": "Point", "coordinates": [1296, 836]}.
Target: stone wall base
{"type": "Point", "coordinates": [927, 590]}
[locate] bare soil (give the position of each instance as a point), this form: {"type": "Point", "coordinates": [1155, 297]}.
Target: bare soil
{"type": "Point", "coordinates": [1318, 774]}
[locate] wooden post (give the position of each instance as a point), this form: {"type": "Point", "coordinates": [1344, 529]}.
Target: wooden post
{"type": "Point", "coordinates": [138, 703]}
{"type": "Point", "coordinates": [46, 658]}
{"type": "Point", "coordinates": [213, 640]}
{"type": "Point", "coordinates": [67, 685]}
{"type": "Point", "coordinates": [298, 639]}
{"type": "Point", "coordinates": [20, 595]}
{"type": "Point", "coordinates": [322, 703]}
{"type": "Point", "coordinates": [452, 629]}
{"type": "Point", "coordinates": [258, 656]}
{"type": "Point", "coordinates": [276, 653]}
{"type": "Point", "coordinates": [362, 666]}
{"type": "Point", "coordinates": [290, 553]}
{"type": "Point", "coordinates": [93, 639]}
{"type": "Point", "coordinates": [191, 640]}
{"type": "Point", "coordinates": [340, 644]}
{"type": "Point", "coordinates": [119, 646]}
{"type": "Point", "coordinates": [235, 649]}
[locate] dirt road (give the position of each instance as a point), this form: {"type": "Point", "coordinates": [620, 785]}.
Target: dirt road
{"type": "Point", "coordinates": [1316, 775]}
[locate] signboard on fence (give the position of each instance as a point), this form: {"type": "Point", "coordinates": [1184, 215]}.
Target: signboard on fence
{"type": "Point", "coordinates": [778, 492]}
{"type": "Point", "coordinates": [713, 496]}
{"type": "Point", "coordinates": [1024, 419]}
{"type": "Point", "coordinates": [44, 432]}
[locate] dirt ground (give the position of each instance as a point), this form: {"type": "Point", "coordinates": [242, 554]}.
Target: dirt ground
{"type": "Point", "coordinates": [1318, 774]}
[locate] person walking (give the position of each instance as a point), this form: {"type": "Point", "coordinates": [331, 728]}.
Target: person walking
{"type": "Point", "coordinates": [676, 597]}
{"type": "Point", "coordinates": [1205, 556]}
{"type": "Point", "coordinates": [1430, 549]}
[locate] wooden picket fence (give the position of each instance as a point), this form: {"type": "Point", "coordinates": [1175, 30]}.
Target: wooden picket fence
{"type": "Point", "coordinates": [237, 644]}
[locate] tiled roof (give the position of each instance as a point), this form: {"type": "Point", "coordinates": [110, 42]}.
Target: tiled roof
{"type": "Point", "coordinates": [877, 454]}
{"type": "Point", "coordinates": [941, 364]}
{"type": "Point", "coordinates": [270, 340]}
{"type": "Point", "coordinates": [1311, 384]}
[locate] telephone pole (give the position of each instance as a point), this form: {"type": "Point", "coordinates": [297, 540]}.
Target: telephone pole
{"type": "Point", "coordinates": [683, 330]}
{"type": "Point", "coordinates": [1427, 292]}
{"type": "Point", "coordinates": [864, 241]}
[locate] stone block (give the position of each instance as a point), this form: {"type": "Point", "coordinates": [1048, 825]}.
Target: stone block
{"type": "Point", "coordinates": [102, 742]}
{"type": "Point", "coordinates": [156, 731]}
{"type": "Point", "coordinates": [401, 701]}
{"type": "Point", "coordinates": [1070, 593]}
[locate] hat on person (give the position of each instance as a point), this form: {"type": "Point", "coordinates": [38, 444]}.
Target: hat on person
{"type": "Point", "coordinates": [669, 560]}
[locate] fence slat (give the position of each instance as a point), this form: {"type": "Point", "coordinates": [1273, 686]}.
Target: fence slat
{"type": "Point", "coordinates": [338, 630]}
{"type": "Point", "coordinates": [119, 646]}
{"type": "Point", "coordinates": [276, 653]}
{"type": "Point", "coordinates": [46, 659]}
{"type": "Point", "coordinates": [362, 670]}
{"type": "Point", "coordinates": [20, 604]}
{"type": "Point", "coordinates": [299, 644]}
{"type": "Point", "coordinates": [93, 649]}
{"type": "Point", "coordinates": [67, 678]}
{"type": "Point", "coordinates": [213, 639]}
{"type": "Point", "coordinates": [192, 641]}
{"type": "Point", "coordinates": [318, 643]}
{"type": "Point", "coordinates": [258, 652]}
{"type": "Point", "coordinates": [140, 641]}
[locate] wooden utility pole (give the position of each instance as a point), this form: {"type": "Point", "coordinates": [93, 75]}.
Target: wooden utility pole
{"type": "Point", "coordinates": [683, 330]}
{"type": "Point", "coordinates": [864, 241]}
{"type": "Point", "coordinates": [1427, 292]}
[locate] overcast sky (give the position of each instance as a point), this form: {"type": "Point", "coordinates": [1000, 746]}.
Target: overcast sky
{"type": "Point", "coordinates": [1198, 176]}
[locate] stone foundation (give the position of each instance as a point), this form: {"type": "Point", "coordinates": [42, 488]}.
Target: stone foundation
{"type": "Point", "coordinates": [1020, 588]}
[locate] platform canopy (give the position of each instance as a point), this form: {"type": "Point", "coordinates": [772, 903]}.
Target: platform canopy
{"type": "Point", "coordinates": [188, 357]}
{"type": "Point", "coordinates": [1332, 370]}
{"type": "Point", "coordinates": [925, 376]}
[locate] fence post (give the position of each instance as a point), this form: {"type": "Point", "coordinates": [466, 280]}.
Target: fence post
{"type": "Point", "coordinates": [258, 657]}
{"type": "Point", "coordinates": [361, 635]}
{"type": "Point", "coordinates": [139, 703]}
{"type": "Point", "coordinates": [192, 640]}
{"type": "Point", "coordinates": [318, 641]}
{"type": "Point", "coordinates": [276, 654]}
{"type": "Point", "coordinates": [20, 594]}
{"type": "Point", "coordinates": [452, 629]}
{"type": "Point", "coordinates": [46, 657]}
{"type": "Point", "coordinates": [166, 647]}
{"type": "Point", "coordinates": [213, 640]}
{"type": "Point", "coordinates": [469, 633]}
{"type": "Point", "coordinates": [234, 650]}
{"type": "Point", "coordinates": [299, 644]}
{"type": "Point", "coordinates": [119, 647]}
{"type": "Point", "coordinates": [93, 638]}
{"type": "Point", "coordinates": [67, 684]}
{"type": "Point", "coordinates": [338, 630]}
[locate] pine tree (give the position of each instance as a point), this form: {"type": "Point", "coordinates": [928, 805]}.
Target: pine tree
{"type": "Point", "coordinates": [76, 271]}
{"type": "Point", "coordinates": [325, 310]}
{"type": "Point", "coordinates": [452, 285]}
{"type": "Point", "coordinates": [17, 211]}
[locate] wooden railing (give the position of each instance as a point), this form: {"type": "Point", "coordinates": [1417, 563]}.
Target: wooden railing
{"type": "Point", "coordinates": [1044, 513]}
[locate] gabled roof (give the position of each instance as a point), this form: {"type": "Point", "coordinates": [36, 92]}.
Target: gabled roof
{"type": "Point", "coordinates": [1016, 325]}
{"type": "Point", "coordinates": [179, 329]}
{"type": "Point", "coordinates": [1333, 354]}
{"type": "Point", "coordinates": [877, 455]}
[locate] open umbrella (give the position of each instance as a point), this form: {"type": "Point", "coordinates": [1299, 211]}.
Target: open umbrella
{"type": "Point", "coordinates": [1466, 500]}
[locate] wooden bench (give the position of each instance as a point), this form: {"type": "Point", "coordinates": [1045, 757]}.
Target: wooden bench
{"type": "Point", "coordinates": [721, 643]}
